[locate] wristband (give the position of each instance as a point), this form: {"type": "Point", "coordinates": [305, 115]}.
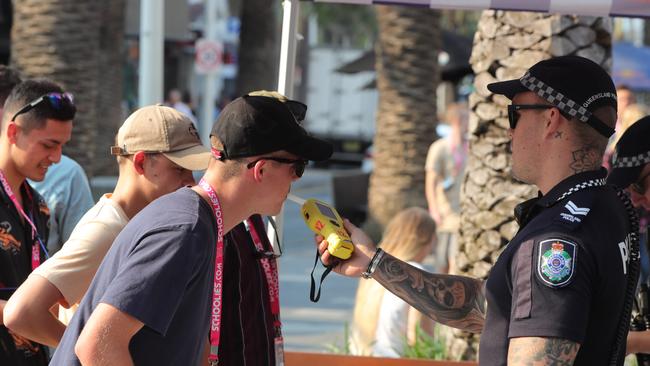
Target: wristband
{"type": "Point", "coordinates": [374, 262]}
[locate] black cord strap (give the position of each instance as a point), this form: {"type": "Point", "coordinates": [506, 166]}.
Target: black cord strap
{"type": "Point", "coordinates": [618, 350]}
{"type": "Point", "coordinates": [314, 295]}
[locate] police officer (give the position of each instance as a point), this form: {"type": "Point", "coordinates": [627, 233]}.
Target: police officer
{"type": "Point", "coordinates": [631, 170]}
{"type": "Point", "coordinates": [557, 293]}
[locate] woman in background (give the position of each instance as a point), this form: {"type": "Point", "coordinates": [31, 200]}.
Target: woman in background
{"type": "Point", "coordinates": [382, 322]}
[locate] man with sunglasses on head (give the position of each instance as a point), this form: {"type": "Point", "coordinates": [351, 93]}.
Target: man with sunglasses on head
{"type": "Point", "coordinates": [36, 123]}
{"type": "Point", "coordinates": [561, 291]}
{"type": "Point", "coordinates": [160, 295]}
{"type": "Point", "coordinates": [631, 170]}
{"type": "Point", "coordinates": [156, 148]}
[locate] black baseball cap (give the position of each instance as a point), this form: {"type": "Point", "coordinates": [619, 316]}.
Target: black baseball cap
{"type": "Point", "coordinates": [576, 85]}
{"type": "Point", "coordinates": [263, 122]}
{"type": "Point", "coordinates": [632, 154]}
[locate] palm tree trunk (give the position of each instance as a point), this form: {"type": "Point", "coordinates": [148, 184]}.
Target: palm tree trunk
{"type": "Point", "coordinates": [258, 49]}
{"type": "Point", "coordinates": [59, 40]}
{"type": "Point", "coordinates": [407, 78]}
{"type": "Point", "coordinates": [109, 99]}
{"type": "Point", "coordinates": [505, 45]}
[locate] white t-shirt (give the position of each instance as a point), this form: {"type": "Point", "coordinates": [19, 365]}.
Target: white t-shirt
{"type": "Point", "coordinates": [73, 267]}
{"type": "Point", "coordinates": [390, 336]}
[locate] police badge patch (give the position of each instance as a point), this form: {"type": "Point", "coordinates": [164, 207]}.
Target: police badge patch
{"type": "Point", "coordinates": [556, 261]}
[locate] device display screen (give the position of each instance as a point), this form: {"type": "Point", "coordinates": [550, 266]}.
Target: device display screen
{"type": "Point", "coordinates": [326, 211]}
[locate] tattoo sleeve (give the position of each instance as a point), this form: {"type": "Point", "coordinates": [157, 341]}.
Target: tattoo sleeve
{"type": "Point", "coordinates": [456, 301]}
{"type": "Point", "coordinates": [542, 351]}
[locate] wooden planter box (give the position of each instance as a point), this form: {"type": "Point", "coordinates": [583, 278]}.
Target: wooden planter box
{"type": "Point", "coordinates": [326, 359]}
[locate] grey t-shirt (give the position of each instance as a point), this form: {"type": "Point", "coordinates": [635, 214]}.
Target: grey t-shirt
{"type": "Point", "coordinates": [159, 270]}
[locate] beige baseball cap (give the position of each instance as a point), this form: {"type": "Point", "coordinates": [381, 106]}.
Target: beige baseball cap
{"type": "Point", "coordinates": [161, 129]}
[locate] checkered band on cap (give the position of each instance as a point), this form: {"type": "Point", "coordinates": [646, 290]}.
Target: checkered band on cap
{"type": "Point", "coordinates": [632, 161]}
{"type": "Point", "coordinates": [554, 97]}
{"type": "Point", "coordinates": [581, 186]}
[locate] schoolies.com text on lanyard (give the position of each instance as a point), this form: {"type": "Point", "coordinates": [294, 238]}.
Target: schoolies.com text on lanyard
{"type": "Point", "coordinates": [217, 293]}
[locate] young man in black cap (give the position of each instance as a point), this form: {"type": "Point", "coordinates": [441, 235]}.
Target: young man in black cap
{"type": "Point", "coordinates": [631, 170]}
{"type": "Point", "coordinates": [159, 290]}
{"type": "Point", "coordinates": [557, 292]}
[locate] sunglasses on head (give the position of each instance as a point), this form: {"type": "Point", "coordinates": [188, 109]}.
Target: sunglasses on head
{"type": "Point", "coordinates": [639, 186]}
{"type": "Point", "coordinates": [298, 164]}
{"type": "Point", "coordinates": [56, 101]}
{"type": "Point", "coordinates": [513, 111]}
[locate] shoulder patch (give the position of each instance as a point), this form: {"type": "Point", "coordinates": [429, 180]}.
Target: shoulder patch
{"type": "Point", "coordinates": [556, 260]}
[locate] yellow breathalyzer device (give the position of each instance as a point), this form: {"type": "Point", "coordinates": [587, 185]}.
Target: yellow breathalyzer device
{"type": "Point", "coordinates": [323, 219]}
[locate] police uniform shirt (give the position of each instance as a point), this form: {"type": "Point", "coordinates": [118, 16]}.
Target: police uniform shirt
{"type": "Point", "coordinates": [564, 274]}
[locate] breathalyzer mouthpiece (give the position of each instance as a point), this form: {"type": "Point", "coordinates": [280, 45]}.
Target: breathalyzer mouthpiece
{"type": "Point", "coordinates": [296, 199]}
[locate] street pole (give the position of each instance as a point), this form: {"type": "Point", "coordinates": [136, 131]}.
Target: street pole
{"type": "Point", "coordinates": [290, 12]}
{"type": "Point", "coordinates": [150, 85]}
{"type": "Point", "coordinates": [210, 79]}
{"type": "Point", "coordinates": [291, 9]}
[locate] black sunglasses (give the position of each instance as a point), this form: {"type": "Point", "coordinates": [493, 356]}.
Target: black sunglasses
{"type": "Point", "coordinates": [513, 111]}
{"type": "Point", "coordinates": [639, 186]}
{"type": "Point", "coordinates": [56, 101]}
{"type": "Point", "coordinates": [298, 164]}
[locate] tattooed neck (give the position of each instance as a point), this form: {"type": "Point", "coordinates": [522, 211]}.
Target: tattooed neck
{"type": "Point", "coordinates": [585, 159]}
{"type": "Point", "coordinates": [456, 301]}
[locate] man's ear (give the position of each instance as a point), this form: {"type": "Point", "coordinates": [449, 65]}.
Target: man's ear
{"type": "Point", "coordinates": [138, 162]}
{"type": "Point", "coordinates": [259, 171]}
{"type": "Point", "coordinates": [554, 123]}
{"type": "Point", "coordinates": [12, 132]}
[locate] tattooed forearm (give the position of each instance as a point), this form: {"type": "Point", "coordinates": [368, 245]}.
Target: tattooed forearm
{"type": "Point", "coordinates": [456, 301]}
{"type": "Point", "coordinates": [542, 351]}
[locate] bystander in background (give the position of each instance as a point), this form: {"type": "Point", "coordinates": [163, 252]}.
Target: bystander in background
{"type": "Point", "coordinates": [68, 196]}
{"type": "Point", "coordinates": [445, 167]}
{"type": "Point", "coordinates": [383, 324]}
{"type": "Point", "coordinates": [175, 100]}
{"type": "Point", "coordinates": [625, 98]}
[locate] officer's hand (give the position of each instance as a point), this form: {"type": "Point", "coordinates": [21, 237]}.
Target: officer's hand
{"type": "Point", "coordinates": [364, 249]}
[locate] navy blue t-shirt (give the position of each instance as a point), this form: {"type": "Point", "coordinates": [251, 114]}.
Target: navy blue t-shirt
{"type": "Point", "coordinates": [564, 274]}
{"type": "Point", "coordinates": [159, 270]}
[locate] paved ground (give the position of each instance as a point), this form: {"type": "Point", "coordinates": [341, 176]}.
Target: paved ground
{"type": "Point", "coordinates": [311, 326]}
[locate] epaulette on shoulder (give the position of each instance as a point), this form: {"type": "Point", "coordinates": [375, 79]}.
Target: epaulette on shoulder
{"type": "Point", "coordinates": [574, 209]}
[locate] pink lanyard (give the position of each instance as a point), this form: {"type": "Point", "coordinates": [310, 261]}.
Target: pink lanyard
{"type": "Point", "coordinates": [217, 293]}
{"type": "Point", "coordinates": [36, 252]}
{"type": "Point", "coordinates": [271, 272]}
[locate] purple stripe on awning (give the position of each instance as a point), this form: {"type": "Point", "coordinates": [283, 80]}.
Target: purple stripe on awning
{"type": "Point", "coordinates": [640, 8]}
{"type": "Point", "coordinates": [421, 3]}
{"type": "Point", "coordinates": [628, 8]}
{"type": "Point", "coordinates": [537, 5]}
